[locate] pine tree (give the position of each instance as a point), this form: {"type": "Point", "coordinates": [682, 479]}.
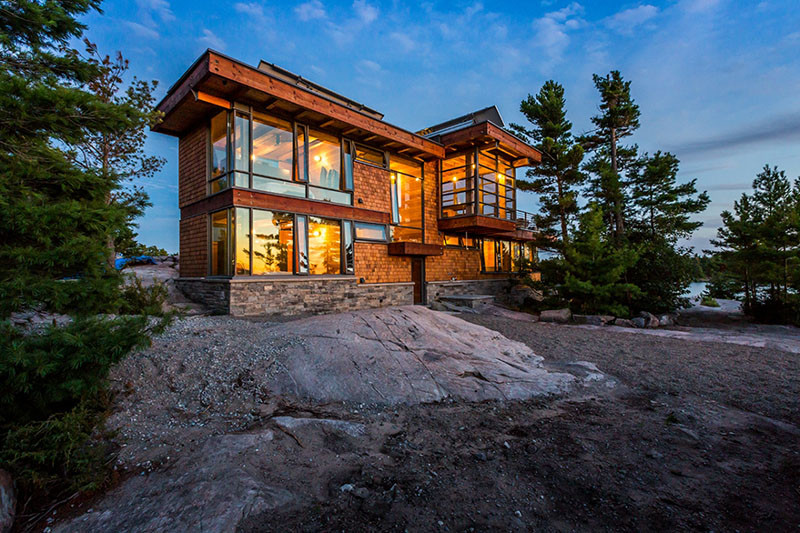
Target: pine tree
{"type": "Point", "coordinates": [54, 217]}
{"type": "Point", "coordinates": [558, 176]}
{"type": "Point", "coordinates": [659, 206]}
{"type": "Point", "coordinates": [619, 118]}
{"type": "Point", "coordinates": [759, 244]}
{"type": "Point", "coordinates": [119, 155]}
{"type": "Point", "coordinates": [595, 266]}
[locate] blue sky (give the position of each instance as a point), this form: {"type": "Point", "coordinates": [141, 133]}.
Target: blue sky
{"type": "Point", "coordinates": [717, 81]}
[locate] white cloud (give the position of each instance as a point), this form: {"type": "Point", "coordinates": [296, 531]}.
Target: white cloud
{"type": "Point", "coordinates": [552, 30]}
{"type": "Point", "coordinates": [313, 9]}
{"type": "Point", "coordinates": [141, 30]}
{"type": "Point", "coordinates": [627, 20]}
{"type": "Point", "coordinates": [251, 9]}
{"type": "Point", "coordinates": [366, 12]}
{"type": "Point", "coordinates": [159, 7]}
{"type": "Point", "coordinates": [698, 6]}
{"type": "Point", "coordinates": [406, 43]}
{"type": "Point", "coordinates": [211, 40]}
{"type": "Point", "coordinates": [366, 66]}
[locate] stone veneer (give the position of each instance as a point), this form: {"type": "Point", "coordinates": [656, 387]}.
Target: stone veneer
{"type": "Point", "coordinates": [293, 295]}
{"type": "Point", "coordinates": [494, 287]}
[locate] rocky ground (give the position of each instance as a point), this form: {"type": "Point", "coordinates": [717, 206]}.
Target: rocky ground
{"type": "Point", "coordinates": [664, 433]}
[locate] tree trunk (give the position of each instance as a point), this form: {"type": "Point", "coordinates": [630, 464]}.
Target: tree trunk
{"type": "Point", "coordinates": [619, 225]}
{"type": "Point", "coordinates": [562, 215]}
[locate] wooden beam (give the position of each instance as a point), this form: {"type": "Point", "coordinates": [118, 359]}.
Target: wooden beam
{"type": "Point", "coordinates": [370, 138]}
{"type": "Point", "coordinates": [264, 200]}
{"type": "Point", "coordinates": [211, 99]}
{"type": "Point", "coordinates": [349, 131]}
{"type": "Point", "coordinates": [273, 103]}
{"type": "Point", "coordinates": [327, 123]}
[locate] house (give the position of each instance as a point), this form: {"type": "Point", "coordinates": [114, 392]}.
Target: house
{"type": "Point", "coordinates": [296, 199]}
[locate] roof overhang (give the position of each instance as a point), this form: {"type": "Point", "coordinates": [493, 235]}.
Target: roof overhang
{"type": "Point", "coordinates": [216, 81]}
{"type": "Point", "coordinates": [486, 133]}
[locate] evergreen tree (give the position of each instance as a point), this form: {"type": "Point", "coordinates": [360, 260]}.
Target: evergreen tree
{"type": "Point", "coordinates": [558, 176]}
{"type": "Point", "coordinates": [119, 155]}
{"type": "Point", "coordinates": [55, 220]}
{"type": "Point", "coordinates": [595, 266]}
{"type": "Point", "coordinates": [619, 118]}
{"type": "Point", "coordinates": [658, 214]}
{"type": "Point", "coordinates": [759, 244]}
{"type": "Point", "coordinates": [658, 204]}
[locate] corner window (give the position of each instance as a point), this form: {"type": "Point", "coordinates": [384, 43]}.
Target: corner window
{"type": "Point", "coordinates": [458, 185]}
{"type": "Point", "coordinates": [250, 149]}
{"type": "Point", "coordinates": [505, 256]}
{"type": "Point", "coordinates": [459, 241]}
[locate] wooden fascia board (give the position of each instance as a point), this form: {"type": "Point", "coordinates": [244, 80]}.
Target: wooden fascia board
{"type": "Point", "coordinates": [487, 129]}
{"type": "Point", "coordinates": [415, 248]}
{"type": "Point", "coordinates": [231, 70]}
{"type": "Point", "coordinates": [262, 200]}
{"type": "Point", "coordinates": [196, 75]}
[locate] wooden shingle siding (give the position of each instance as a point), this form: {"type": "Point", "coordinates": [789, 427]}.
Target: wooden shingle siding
{"type": "Point", "coordinates": [192, 166]}
{"type": "Point", "coordinates": [371, 185]}
{"type": "Point", "coordinates": [194, 246]}
{"type": "Point", "coordinates": [375, 265]}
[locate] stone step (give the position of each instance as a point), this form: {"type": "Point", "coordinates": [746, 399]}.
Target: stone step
{"type": "Point", "coordinates": [472, 301]}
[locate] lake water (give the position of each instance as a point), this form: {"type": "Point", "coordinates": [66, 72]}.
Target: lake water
{"type": "Point", "coordinates": [695, 289]}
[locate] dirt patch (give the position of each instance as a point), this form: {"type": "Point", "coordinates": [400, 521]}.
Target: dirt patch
{"type": "Point", "coordinates": [699, 436]}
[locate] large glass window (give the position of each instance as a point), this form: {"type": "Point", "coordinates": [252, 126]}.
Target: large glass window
{"type": "Point", "coordinates": [406, 199]}
{"type": "Point", "coordinates": [246, 241]}
{"type": "Point", "coordinates": [273, 242]}
{"type": "Point", "coordinates": [504, 256]}
{"type": "Point", "coordinates": [273, 147]}
{"type": "Point", "coordinates": [279, 156]}
{"type": "Point", "coordinates": [496, 191]}
{"type": "Point", "coordinates": [458, 185]}
{"type": "Point", "coordinates": [324, 246]}
{"type": "Point", "coordinates": [219, 244]}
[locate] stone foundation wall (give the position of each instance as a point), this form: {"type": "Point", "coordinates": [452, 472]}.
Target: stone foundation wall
{"type": "Point", "coordinates": [494, 287]}
{"type": "Point", "coordinates": [291, 296]}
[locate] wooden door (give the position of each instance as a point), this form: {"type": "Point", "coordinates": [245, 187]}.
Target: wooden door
{"type": "Point", "coordinates": [418, 277]}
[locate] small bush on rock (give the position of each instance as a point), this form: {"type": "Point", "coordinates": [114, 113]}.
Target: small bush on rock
{"type": "Point", "coordinates": [53, 387]}
{"type": "Point", "coordinates": [139, 299]}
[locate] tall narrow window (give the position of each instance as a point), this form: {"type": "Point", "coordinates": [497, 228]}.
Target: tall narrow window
{"type": "Point", "coordinates": [505, 256]}
{"type": "Point", "coordinates": [349, 251]}
{"type": "Point", "coordinates": [406, 198]}
{"type": "Point", "coordinates": [219, 244]}
{"type": "Point", "coordinates": [489, 255]}
{"type": "Point", "coordinates": [273, 241]}
{"type": "Point", "coordinates": [324, 160]}
{"type": "Point", "coordinates": [219, 144]}
{"type": "Point", "coordinates": [241, 142]}
{"type": "Point", "coordinates": [302, 244]}
{"type": "Point", "coordinates": [324, 246]}
{"type": "Point", "coordinates": [348, 165]}
{"type": "Point", "coordinates": [242, 246]}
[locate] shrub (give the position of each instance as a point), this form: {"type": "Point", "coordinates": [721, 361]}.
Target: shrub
{"type": "Point", "coordinates": [708, 301]}
{"type": "Point", "coordinates": [140, 299]}
{"type": "Point", "coordinates": [53, 387]}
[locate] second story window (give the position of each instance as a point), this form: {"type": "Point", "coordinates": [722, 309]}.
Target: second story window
{"type": "Point", "coordinates": [254, 150]}
{"type": "Point", "coordinates": [406, 199]}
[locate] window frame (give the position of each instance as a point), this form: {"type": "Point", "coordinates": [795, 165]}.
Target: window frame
{"type": "Point", "coordinates": [385, 227]}
{"type": "Point", "coordinates": [392, 196]}
{"type": "Point", "coordinates": [300, 165]}
{"type": "Point", "coordinates": [300, 243]}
